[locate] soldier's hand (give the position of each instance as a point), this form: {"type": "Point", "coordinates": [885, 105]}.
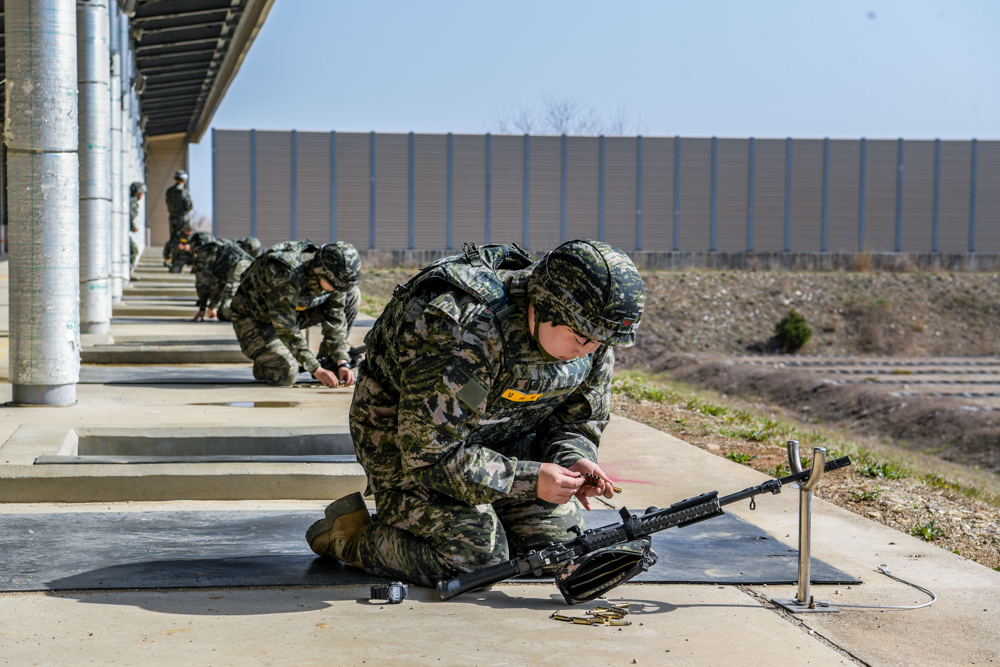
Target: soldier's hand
{"type": "Point", "coordinates": [210, 313]}
{"type": "Point", "coordinates": [604, 486]}
{"type": "Point", "coordinates": [199, 316]}
{"type": "Point", "coordinates": [346, 374]}
{"type": "Point", "coordinates": [557, 484]}
{"type": "Point", "coordinates": [326, 377]}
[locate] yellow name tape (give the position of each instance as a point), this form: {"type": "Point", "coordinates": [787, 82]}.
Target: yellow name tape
{"type": "Point", "coordinates": [517, 396]}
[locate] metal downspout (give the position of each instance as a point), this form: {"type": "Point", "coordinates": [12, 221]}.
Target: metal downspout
{"type": "Point", "coordinates": [41, 132]}
{"type": "Point", "coordinates": [114, 249]}
{"type": "Point", "coordinates": [95, 166]}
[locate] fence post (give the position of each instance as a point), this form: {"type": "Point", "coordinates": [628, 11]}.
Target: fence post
{"type": "Point", "coordinates": [371, 195]}
{"type": "Point", "coordinates": [711, 243]}
{"type": "Point", "coordinates": [899, 197]}
{"type": "Point", "coordinates": [450, 188]}
{"type": "Point", "coordinates": [295, 157]}
{"type": "Point", "coordinates": [253, 182]}
{"type": "Point", "coordinates": [527, 171]}
{"type": "Point", "coordinates": [600, 194]}
{"type": "Point", "coordinates": [826, 191]}
{"type": "Point", "coordinates": [638, 196]}
{"type": "Point", "coordinates": [562, 228]}
{"type": "Point", "coordinates": [937, 185]}
{"type": "Point", "coordinates": [677, 193]}
{"type": "Point", "coordinates": [750, 202]}
{"type": "Point", "coordinates": [410, 194]}
{"type": "Point", "coordinates": [489, 162]}
{"type": "Point", "coordinates": [788, 194]}
{"type": "Point", "coordinates": [333, 186]}
{"type": "Point", "coordinates": [215, 228]}
{"type": "Point", "coordinates": [861, 200]}
{"type": "Point", "coordinates": [972, 201]}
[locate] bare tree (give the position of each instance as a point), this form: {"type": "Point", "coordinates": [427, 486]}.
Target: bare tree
{"type": "Point", "coordinates": [562, 115]}
{"type": "Point", "coordinates": [618, 121]}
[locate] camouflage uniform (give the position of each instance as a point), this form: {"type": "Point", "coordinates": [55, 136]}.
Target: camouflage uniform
{"type": "Point", "coordinates": [454, 411]}
{"type": "Point", "coordinates": [179, 206]}
{"type": "Point", "coordinates": [133, 249]}
{"type": "Point", "coordinates": [218, 267]}
{"type": "Point", "coordinates": [251, 245]}
{"type": "Point", "coordinates": [278, 298]}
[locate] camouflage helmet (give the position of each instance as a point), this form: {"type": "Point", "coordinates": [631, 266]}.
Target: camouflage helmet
{"type": "Point", "coordinates": [251, 245]}
{"type": "Point", "coordinates": [591, 287]}
{"type": "Point", "coordinates": [339, 263]}
{"type": "Point", "coordinates": [198, 239]}
{"type": "Point", "coordinates": [180, 175]}
{"type": "Point", "coordinates": [137, 188]}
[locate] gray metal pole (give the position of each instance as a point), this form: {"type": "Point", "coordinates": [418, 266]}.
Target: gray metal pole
{"type": "Point", "coordinates": [125, 48]}
{"type": "Point", "coordinates": [43, 188]}
{"type": "Point", "coordinates": [117, 270]}
{"type": "Point", "coordinates": [95, 166]}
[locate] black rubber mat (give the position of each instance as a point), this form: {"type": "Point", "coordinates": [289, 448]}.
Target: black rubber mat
{"type": "Point", "coordinates": [252, 548]}
{"type": "Point", "coordinates": [170, 374]}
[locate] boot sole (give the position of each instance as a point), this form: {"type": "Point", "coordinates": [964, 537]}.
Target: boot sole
{"type": "Point", "coordinates": [334, 511]}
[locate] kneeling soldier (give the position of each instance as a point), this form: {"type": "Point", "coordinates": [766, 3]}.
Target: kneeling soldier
{"type": "Point", "coordinates": [480, 407]}
{"type": "Point", "coordinates": [291, 287]}
{"type": "Point", "coordinates": [218, 266]}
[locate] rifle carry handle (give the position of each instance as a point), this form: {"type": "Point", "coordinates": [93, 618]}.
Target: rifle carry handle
{"type": "Point", "coordinates": [449, 588]}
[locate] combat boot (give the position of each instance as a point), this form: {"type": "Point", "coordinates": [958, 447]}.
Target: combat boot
{"type": "Point", "coordinates": [338, 534]}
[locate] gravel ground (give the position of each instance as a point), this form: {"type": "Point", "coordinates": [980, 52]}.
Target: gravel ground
{"type": "Point", "coordinates": [968, 527]}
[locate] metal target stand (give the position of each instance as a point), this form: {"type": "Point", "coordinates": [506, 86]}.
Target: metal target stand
{"type": "Point", "coordinates": [804, 603]}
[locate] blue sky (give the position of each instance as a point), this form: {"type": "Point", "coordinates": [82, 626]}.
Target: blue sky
{"type": "Point", "coordinates": [842, 69]}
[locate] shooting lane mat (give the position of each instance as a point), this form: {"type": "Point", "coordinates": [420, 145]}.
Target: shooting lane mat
{"type": "Point", "coordinates": [117, 550]}
{"type": "Point", "coordinates": [175, 374]}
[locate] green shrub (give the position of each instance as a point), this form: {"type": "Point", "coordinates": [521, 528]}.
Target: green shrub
{"type": "Point", "coordinates": [792, 332]}
{"type": "Point", "coordinates": [737, 457]}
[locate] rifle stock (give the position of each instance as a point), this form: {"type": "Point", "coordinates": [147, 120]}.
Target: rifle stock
{"type": "Point", "coordinates": [463, 583]}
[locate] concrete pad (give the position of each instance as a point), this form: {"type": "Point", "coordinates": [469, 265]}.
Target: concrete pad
{"type": "Point", "coordinates": [189, 353]}
{"type": "Point", "coordinates": [509, 625]}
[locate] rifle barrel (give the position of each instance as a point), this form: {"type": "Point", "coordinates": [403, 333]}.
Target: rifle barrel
{"type": "Point", "coordinates": [774, 485]}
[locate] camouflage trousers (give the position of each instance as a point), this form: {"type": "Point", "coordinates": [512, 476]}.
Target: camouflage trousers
{"type": "Point", "coordinates": [422, 535]}
{"type": "Point", "coordinates": [273, 362]}
{"type": "Point", "coordinates": [133, 254]}
{"type": "Point", "coordinates": [224, 310]}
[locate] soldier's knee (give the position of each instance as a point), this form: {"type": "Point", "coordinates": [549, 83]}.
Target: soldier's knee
{"type": "Point", "coordinates": [276, 373]}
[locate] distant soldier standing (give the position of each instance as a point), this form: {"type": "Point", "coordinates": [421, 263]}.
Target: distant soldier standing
{"type": "Point", "coordinates": [480, 408]}
{"type": "Point", "coordinates": [218, 266]}
{"type": "Point", "coordinates": [250, 244]}
{"type": "Point", "coordinates": [179, 207]}
{"type": "Point", "coordinates": [291, 287]}
{"type": "Point", "coordinates": [136, 192]}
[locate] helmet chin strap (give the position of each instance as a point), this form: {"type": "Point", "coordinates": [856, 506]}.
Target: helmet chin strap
{"type": "Point", "coordinates": [538, 341]}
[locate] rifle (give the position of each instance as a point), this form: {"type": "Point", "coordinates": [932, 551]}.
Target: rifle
{"type": "Point", "coordinates": [609, 569]}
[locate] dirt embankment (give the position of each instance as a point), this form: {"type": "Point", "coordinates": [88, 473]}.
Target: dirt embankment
{"type": "Point", "coordinates": [914, 314]}
{"type": "Point", "coordinates": [716, 314]}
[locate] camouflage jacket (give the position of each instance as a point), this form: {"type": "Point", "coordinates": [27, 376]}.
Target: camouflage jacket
{"type": "Point", "coordinates": [463, 379]}
{"type": "Point", "coordinates": [213, 263]}
{"type": "Point", "coordinates": [133, 212]}
{"type": "Point", "coordinates": [278, 288]}
{"type": "Point", "coordinates": [179, 204]}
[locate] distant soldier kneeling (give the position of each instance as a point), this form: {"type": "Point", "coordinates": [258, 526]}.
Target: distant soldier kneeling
{"type": "Point", "coordinates": [218, 266]}
{"type": "Point", "coordinates": [291, 287]}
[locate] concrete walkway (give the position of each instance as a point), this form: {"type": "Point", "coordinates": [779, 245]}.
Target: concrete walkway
{"type": "Point", "coordinates": [509, 624]}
